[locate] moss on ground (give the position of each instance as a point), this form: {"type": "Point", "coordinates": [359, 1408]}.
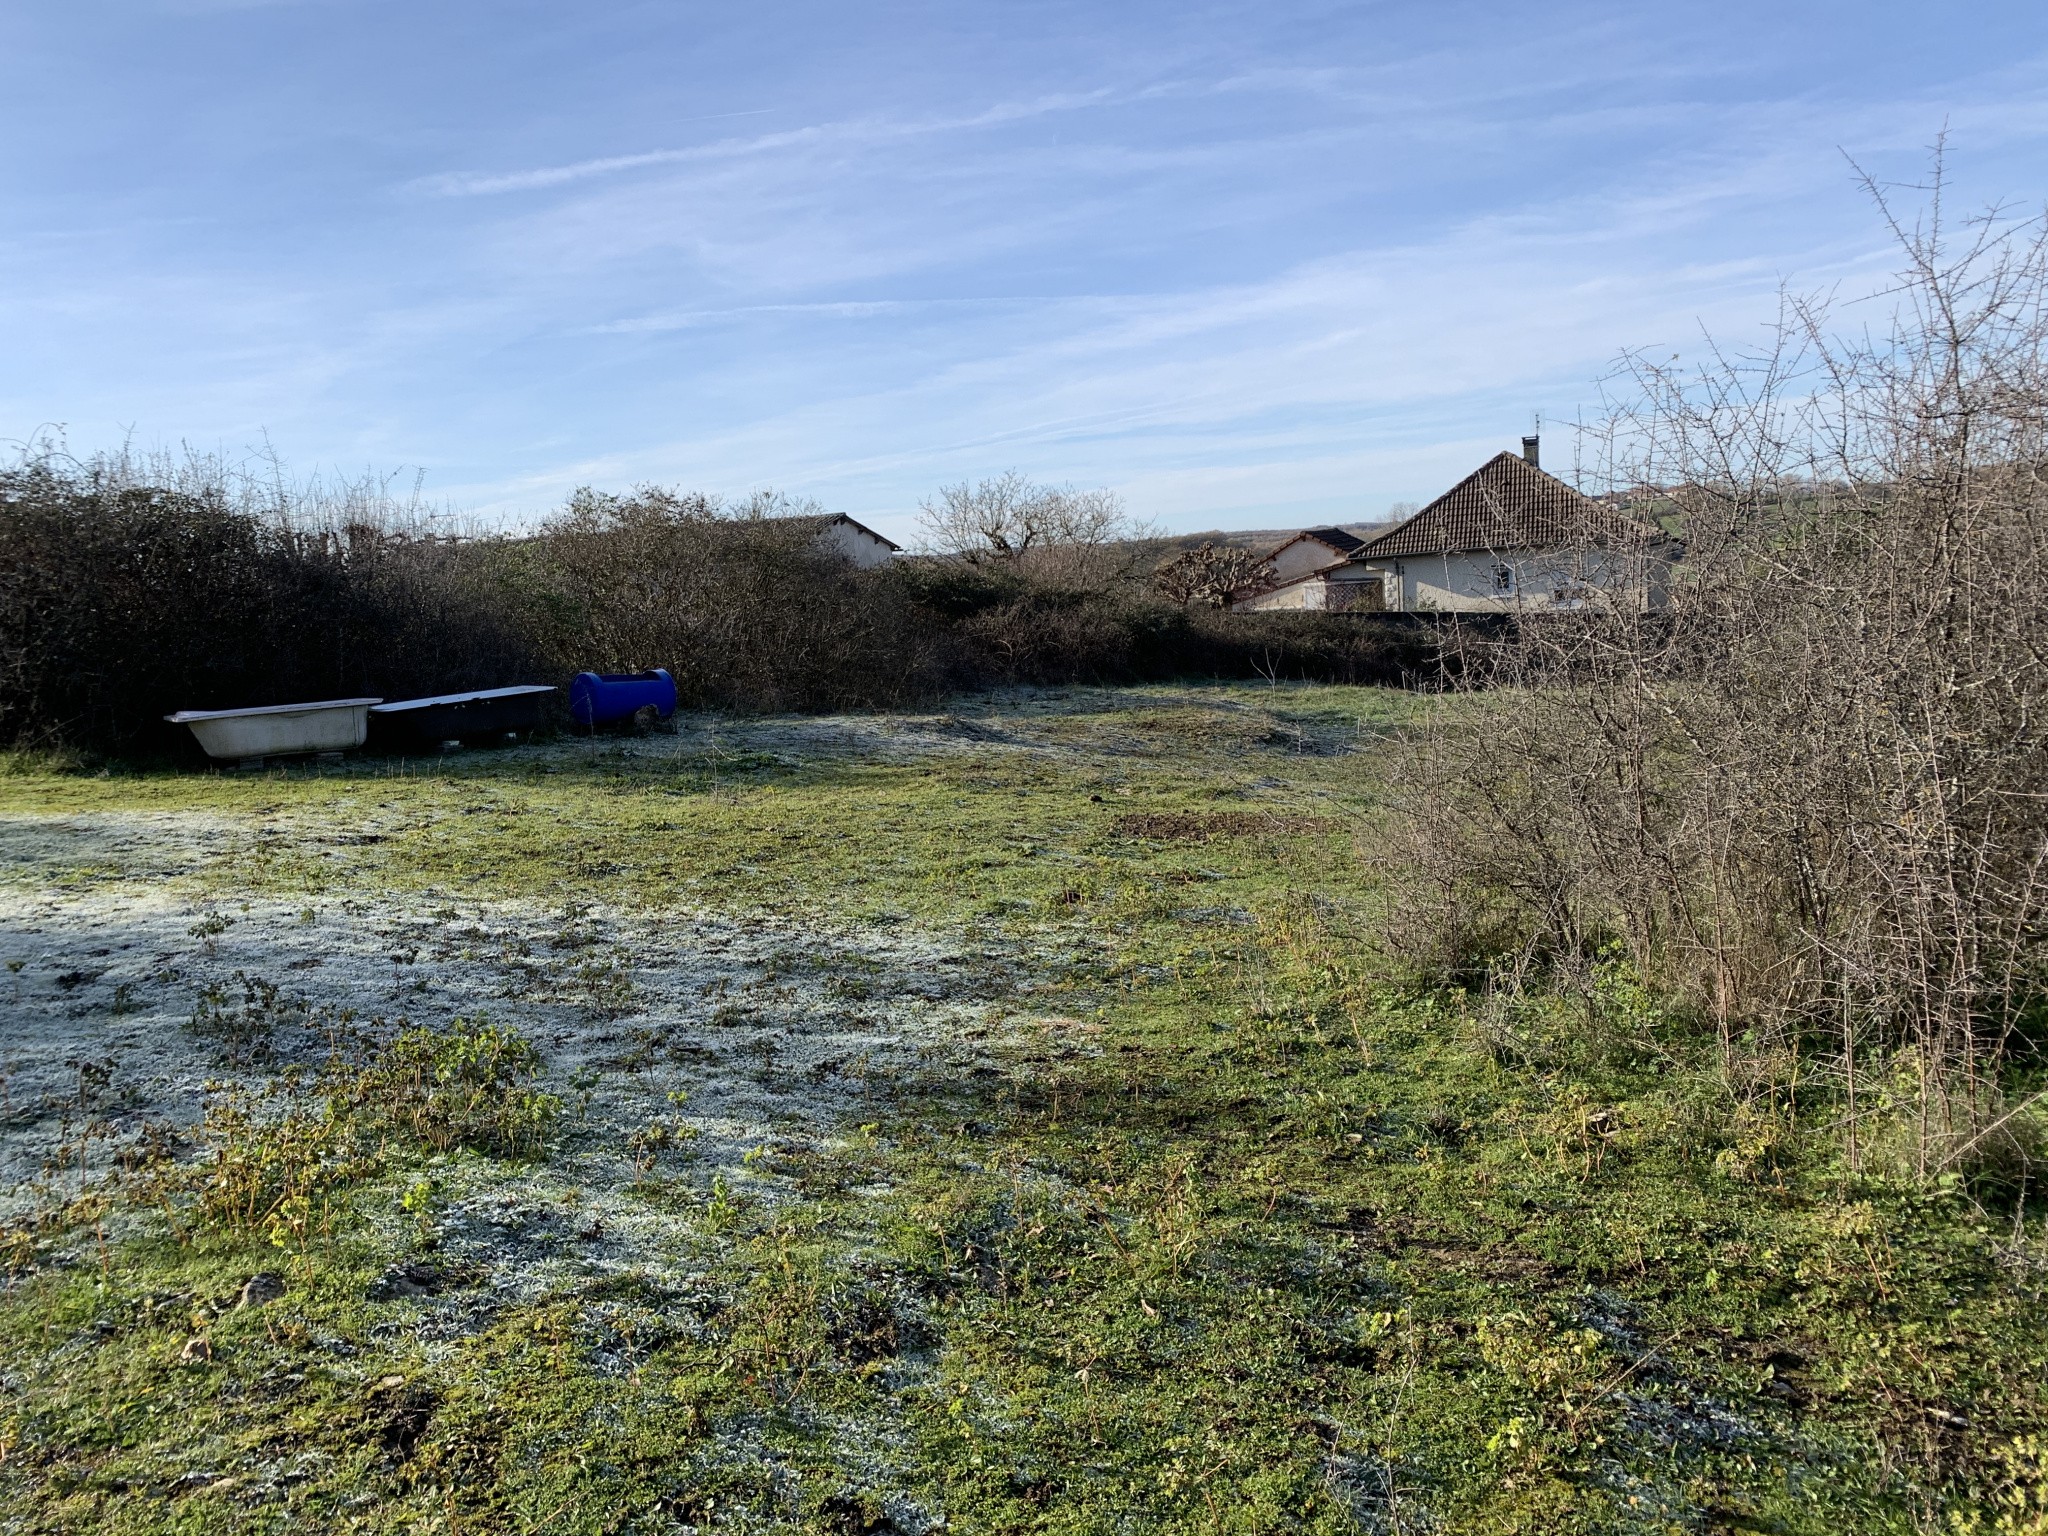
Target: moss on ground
{"type": "Point", "coordinates": [1234, 1239]}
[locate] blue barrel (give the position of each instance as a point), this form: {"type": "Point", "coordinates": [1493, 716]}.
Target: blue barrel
{"type": "Point", "coordinates": [599, 698]}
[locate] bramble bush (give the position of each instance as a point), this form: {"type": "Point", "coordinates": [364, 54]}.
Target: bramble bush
{"type": "Point", "coordinates": [470, 1085]}
{"type": "Point", "coordinates": [131, 588]}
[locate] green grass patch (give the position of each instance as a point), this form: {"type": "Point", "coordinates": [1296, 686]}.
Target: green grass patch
{"type": "Point", "coordinates": [1229, 1238]}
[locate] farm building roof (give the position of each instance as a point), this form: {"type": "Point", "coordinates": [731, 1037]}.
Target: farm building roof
{"type": "Point", "coordinates": [1342, 540]}
{"type": "Point", "coordinates": [1506, 503]}
{"type": "Point", "coordinates": [1337, 538]}
{"type": "Point", "coordinates": [823, 520]}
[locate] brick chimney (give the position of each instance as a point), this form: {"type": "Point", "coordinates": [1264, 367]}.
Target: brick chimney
{"type": "Point", "coordinates": [1529, 455]}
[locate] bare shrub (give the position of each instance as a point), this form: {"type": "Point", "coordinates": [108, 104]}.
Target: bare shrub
{"type": "Point", "coordinates": [1208, 574]}
{"type": "Point", "coordinates": [746, 609]}
{"type": "Point", "coordinates": [1811, 797]}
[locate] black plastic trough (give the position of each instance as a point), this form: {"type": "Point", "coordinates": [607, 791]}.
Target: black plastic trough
{"type": "Point", "coordinates": [484, 717]}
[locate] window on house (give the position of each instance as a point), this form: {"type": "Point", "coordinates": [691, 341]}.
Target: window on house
{"type": "Point", "coordinates": [1503, 580]}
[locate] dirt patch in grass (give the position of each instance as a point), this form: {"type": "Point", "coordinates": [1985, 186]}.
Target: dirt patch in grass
{"type": "Point", "coordinates": [1206, 826]}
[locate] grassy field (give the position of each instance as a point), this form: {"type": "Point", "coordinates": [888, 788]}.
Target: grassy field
{"type": "Point", "coordinates": [987, 1121]}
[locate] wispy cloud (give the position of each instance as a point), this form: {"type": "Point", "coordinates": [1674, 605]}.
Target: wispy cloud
{"type": "Point", "coordinates": [1245, 261]}
{"type": "Point", "coordinates": [1322, 391]}
{"type": "Point", "coordinates": [841, 309]}
{"type": "Point", "coordinates": [488, 184]}
{"type": "Point", "coordinates": [851, 131]}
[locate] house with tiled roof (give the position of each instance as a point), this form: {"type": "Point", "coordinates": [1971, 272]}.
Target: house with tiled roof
{"type": "Point", "coordinates": [1506, 538]}
{"type": "Point", "coordinates": [1314, 569]}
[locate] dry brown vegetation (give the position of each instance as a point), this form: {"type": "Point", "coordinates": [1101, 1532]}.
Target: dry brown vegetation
{"type": "Point", "coordinates": [1812, 799]}
{"type": "Point", "coordinates": [742, 606]}
{"type": "Point", "coordinates": [131, 587]}
{"type": "Point", "coordinates": [1210, 573]}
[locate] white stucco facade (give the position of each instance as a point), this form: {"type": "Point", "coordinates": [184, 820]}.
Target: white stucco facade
{"type": "Point", "coordinates": [863, 546]}
{"type": "Point", "coordinates": [1348, 590]}
{"type": "Point", "coordinates": [1301, 557]}
{"type": "Point", "coordinates": [1518, 581]}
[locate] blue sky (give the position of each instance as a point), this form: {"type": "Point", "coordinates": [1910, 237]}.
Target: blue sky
{"type": "Point", "coordinates": [1252, 264]}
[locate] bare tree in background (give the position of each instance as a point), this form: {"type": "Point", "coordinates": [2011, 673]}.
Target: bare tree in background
{"type": "Point", "coordinates": [1057, 533]}
{"type": "Point", "coordinates": [763, 505]}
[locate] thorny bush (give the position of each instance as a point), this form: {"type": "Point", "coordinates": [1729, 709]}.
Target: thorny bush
{"type": "Point", "coordinates": [134, 587]}
{"type": "Point", "coordinates": [1809, 799]}
{"type": "Point", "coordinates": [469, 1085]}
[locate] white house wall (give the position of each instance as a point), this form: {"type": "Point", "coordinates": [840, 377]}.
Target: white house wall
{"type": "Point", "coordinates": [1301, 595]}
{"type": "Point", "coordinates": [1464, 583]}
{"type": "Point", "coordinates": [1301, 557]}
{"type": "Point", "coordinates": [857, 544]}
{"type": "Point", "coordinates": [1340, 591]}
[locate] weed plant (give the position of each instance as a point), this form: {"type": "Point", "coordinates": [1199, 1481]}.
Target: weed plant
{"type": "Point", "coordinates": [470, 1085]}
{"type": "Point", "coordinates": [273, 1157]}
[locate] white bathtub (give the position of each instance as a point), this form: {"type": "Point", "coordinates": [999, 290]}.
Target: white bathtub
{"type": "Point", "coordinates": [276, 730]}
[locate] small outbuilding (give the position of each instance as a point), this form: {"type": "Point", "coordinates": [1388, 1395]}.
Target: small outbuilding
{"type": "Point", "coordinates": [842, 535]}
{"type": "Point", "coordinates": [1317, 569]}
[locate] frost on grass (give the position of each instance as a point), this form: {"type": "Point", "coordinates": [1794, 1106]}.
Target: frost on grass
{"type": "Point", "coordinates": [708, 1067]}
{"type": "Point", "coordinates": [711, 1189]}
{"type": "Point", "coordinates": [736, 1041]}
{"type": "Point", "coordinates": [1067, 724]}
{"type": "Point", "coordinates": [142, 847]}
{"type": "Point", "coordinates": [774, 1031]}
{"type": "Point", "coordinates": [705, 1066]}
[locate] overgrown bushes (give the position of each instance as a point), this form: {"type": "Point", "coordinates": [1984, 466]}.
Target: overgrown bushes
{"type": "Point", "coordinates": [746, 610]}
{"type": "Point", "coordinates": [124, 597]}
{"type": "Point", "coordinates": [129, 591]}
{"type": "Point", "coordinates": [1812, 800]}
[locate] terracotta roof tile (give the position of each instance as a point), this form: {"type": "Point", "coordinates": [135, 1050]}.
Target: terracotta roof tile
{"type": "Point", "coordinates": [1506, 503]}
